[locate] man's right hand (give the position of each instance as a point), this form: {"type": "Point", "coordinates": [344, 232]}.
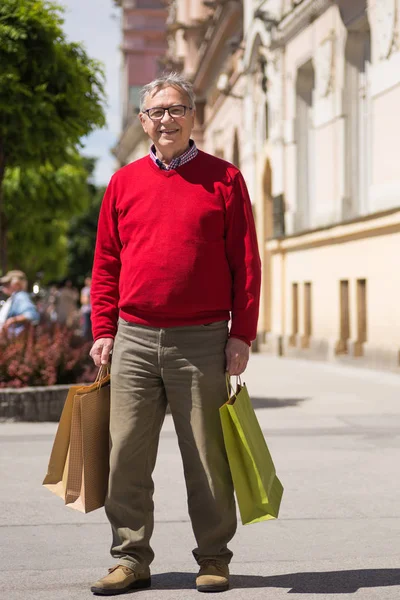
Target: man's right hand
{"type": "Point", "coordinates": [100, 351]}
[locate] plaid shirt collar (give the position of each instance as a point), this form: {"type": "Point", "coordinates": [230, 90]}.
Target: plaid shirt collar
{"type": "Point", "coordinates": [188, 155]}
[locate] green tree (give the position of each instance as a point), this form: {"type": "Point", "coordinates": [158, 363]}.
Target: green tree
{"type": "Point", "coordinates": [51, 92]}
{"type": "Point", "coordinates": [38, 205]}
{"type": "Point", "coordinates": [82, 233]}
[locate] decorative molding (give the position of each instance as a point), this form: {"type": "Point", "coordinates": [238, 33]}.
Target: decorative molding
{"type": "Point", "coordinates": [257, 34]}
{"type": "Point", "coordinates": [226, 21]}
{"type": "Point", "coordinates": [298, 19]}
{"type": "Point", "coordinates": [363, 227]}
{"type": "Point", "coordinates": [384, 24]}
{"type": "Point", "coordinates": [275, 94]}
{"type": "Point", "coordinates": [324, 62]}
{"type": "Point", "coordinates": [385, 75]}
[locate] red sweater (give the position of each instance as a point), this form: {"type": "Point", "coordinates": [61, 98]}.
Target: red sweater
{"type": "Point", "coordinates": [176, 248]}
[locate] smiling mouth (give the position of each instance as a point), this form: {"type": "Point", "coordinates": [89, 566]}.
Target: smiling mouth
{"type": "Point", "coordinates": [169, 131]}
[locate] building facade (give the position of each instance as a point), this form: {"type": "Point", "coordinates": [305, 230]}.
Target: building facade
{"type": "Point", "coordinates": [143, 24]}
{"type": "Point", "coordinates": [301, 95]}
{"type": "Point", "coordinates": [328, 176]}
{"type": "Point", "coordinates": [203, 42]}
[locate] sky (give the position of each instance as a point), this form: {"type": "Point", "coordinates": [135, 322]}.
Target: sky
{"type": "Point", "coordinates": [95, 23]}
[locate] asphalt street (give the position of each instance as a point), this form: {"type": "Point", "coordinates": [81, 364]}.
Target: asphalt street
{"type": "Point", "coordinates": [334, 433]}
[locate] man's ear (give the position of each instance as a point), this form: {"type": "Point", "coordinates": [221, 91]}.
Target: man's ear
{"type": "Point", "coordinates": [142, 119]}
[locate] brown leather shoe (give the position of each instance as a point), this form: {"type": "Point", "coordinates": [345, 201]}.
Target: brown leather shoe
{"type": "Point", "coordinates": [121, 579]}
{"type": "Point", "coordinates": [213, 576]}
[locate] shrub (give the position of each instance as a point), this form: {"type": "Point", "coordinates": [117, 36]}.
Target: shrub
{"type": "Point", "coordinates": [44, 355]}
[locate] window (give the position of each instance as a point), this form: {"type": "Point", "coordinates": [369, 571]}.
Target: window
{"type": "Point", "coordinates": [344, 332]}
{"type": "Point", "coordinates": [357, 60]}
{"type": "Point", "coordinates": [295, 314]}
{"type": "Point", "coordinates": [236, 150]}
{"type": "Point", "coordinates": [361, 316]}
{"type": "Point", "coordinates": [307, 316]}
{"type": "Point", "coordinates": [304, 145]}
{"type": "Point", "coordinates": [278, 215]}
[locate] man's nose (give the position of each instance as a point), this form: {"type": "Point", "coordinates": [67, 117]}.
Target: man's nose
{"type": "Point", "coordinates": [166, 117]}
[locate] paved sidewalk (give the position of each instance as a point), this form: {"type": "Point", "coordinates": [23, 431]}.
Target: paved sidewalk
{"type": "Point", "coordinates": [335, 435]}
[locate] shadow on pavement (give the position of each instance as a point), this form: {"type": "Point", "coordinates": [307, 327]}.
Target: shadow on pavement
{"type": "Point", "coordinates": [276, 402]}
{"type": "Point", "coordinates": [330, 582]}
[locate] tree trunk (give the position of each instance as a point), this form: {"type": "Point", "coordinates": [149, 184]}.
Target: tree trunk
{"type": "Point", "coordinates": [3, 220]}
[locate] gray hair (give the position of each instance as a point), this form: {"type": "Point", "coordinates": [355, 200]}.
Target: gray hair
{"type": "Point", "coordinates": [174, 79]}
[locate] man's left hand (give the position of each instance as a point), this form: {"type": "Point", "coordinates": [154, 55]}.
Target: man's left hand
{"type": "Point", "coordinates": [237, 356]}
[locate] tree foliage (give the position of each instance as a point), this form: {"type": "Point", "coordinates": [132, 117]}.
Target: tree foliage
{"type": "Point", "coordinates": [82, 236]}
{"type": "Point", "coordinates": [39, 204]}
{"type": "Point", "coordinates": [51, 92]}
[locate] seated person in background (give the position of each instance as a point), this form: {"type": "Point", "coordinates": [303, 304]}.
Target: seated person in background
{"type": "Point", "coordinates": [86, 310]}
{"type": "Point", "coordinates": [18, 310]}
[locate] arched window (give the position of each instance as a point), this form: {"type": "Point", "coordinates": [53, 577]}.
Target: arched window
{"type": "Point", "coordinates": [305, 144]}
{"type": "Point", "coordinates": [357, 60]}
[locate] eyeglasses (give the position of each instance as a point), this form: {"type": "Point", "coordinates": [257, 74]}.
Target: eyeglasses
{"type": "Point", "coordinates": [157, 113]}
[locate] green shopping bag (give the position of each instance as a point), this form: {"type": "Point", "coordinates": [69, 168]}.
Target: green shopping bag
{"type": "Point", "coordinates": [258, 489]}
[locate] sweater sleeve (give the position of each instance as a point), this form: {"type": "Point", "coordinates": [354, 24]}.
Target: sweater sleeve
{"type": "Point", "coordinates": [106, 269]}
{"type": "Point", "coordinates": [244, 261]}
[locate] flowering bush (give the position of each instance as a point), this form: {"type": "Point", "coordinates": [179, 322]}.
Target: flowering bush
{"type": "Point", "coordinates": [44, 355]}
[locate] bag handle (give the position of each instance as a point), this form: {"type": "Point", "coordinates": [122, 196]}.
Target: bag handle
{"type": "Point", "coordinates": [229, 387]}
{"type": "Point", "coordinates": [103, 371]}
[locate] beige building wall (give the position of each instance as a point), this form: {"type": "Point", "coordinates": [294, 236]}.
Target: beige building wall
{"type": "Point", "coordinates": [222, 125]}
{"type": "Point", "coordinates": [386, 149]}
{"type": "Point", "coordinates": [334, 156]}
{"type": "Point", "coordinates": [385, 98]}
{"type": "Point", "coordinates": [369, 259]}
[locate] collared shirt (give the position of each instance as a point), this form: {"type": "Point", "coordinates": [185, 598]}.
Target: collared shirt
{"type": "Point", "coordinates": [188, 155]}
{"type": "Point", "coordinates": [21, 304]}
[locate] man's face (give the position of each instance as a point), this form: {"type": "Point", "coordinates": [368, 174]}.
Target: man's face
{"type": "Point", "coordinates": [170, 135]}
{"type": "Point", "coordinates": [16, 285]}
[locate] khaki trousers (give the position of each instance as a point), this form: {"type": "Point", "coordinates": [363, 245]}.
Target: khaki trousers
{"type": "Point", "coordinates": [185, 367]}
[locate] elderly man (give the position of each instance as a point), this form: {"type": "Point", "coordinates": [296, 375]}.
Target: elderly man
{"type": "Point", "coordinates": [18, 310]}
{"type": "Point", "coordinates": [176, 255]}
